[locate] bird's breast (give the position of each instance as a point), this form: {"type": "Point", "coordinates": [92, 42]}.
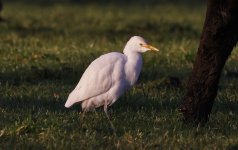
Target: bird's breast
{"type": "Point", "coordinates": [133, 69]}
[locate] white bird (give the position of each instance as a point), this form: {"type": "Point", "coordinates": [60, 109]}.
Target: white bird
{"type": "Point", "coordinates": [109, 76]}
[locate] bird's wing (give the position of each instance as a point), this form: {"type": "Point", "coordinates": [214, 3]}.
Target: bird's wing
{"type": "Point", "coordinates": [97, 79]}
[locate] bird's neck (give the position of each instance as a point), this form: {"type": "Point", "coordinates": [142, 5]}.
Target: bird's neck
{"type": "Point", "coordinates": [133, 66]}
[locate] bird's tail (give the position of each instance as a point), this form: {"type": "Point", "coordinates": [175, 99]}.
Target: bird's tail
{"type": "Point", "coordinates": [72, 99]}
{"type": "Point", "coordinates": [68, 103]}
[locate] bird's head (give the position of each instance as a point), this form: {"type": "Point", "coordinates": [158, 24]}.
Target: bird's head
{"type": "Point", "coordinates": [138, 44]}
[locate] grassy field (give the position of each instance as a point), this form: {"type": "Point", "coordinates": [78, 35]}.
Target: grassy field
{"type": "Point", "coordinates": [45, 49]}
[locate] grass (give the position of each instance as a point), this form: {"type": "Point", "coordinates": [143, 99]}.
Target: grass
{"type": "Point", "coordinates": [44, 51]}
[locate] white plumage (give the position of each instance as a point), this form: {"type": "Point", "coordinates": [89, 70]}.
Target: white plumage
{"type": "Point", "coordinates": [109, 76]}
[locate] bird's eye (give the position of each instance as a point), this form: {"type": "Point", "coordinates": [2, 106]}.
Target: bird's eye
{"type": "Point", "coordinates": [141, 44]}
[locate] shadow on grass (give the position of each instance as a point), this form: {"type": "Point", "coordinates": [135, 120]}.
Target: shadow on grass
{"type": "Point", "coordinates": [35, 75]}
{"type": "Point", "coordinates": [36, 105]}
{"type": "Point", "coordinates": [135, 103]}
{"type": "Point", "coordinates": [65, 73]}
{"type": "Point", "coordinates": [128, 104]}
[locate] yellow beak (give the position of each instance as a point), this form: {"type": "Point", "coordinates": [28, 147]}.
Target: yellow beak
{"type": "Point", "coordinates": [150, 47]}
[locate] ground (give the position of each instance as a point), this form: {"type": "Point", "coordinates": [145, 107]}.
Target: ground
{"type": "Point", "coordinates": [44, 50]}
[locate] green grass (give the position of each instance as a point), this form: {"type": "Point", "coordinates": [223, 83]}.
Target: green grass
{"type": "Point", "coordinates": [44, 51]}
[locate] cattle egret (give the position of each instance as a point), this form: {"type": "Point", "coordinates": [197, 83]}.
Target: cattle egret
{"type": "Point", "coordinates": [109, 76]}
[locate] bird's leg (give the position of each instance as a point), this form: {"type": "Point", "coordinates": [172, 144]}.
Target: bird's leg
{"type": "Point", "coordinates": [83, 114]}
{"type": "Point", "coordinates": [117, 144]}
{"type": "Point", "coordinates": [84, 109]}
{"type": "Point", "coordinates": [105, 110]}
{"type": "Point", "coordinates": [82, 117]}
{"type": "Point", "coordinates": [112, 126]}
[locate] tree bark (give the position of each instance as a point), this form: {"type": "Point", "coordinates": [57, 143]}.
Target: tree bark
{"type": "Point", "coordinates": [219, 36]}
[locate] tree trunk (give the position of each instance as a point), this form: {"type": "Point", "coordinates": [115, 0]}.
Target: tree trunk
{"type": "Point", "coordinates": [219, 36]}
